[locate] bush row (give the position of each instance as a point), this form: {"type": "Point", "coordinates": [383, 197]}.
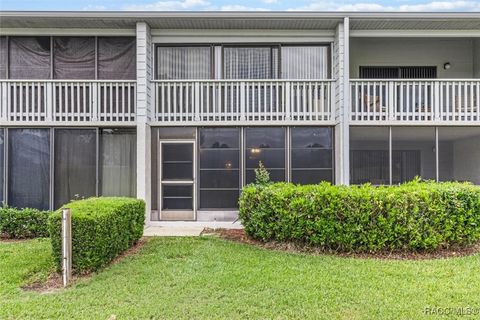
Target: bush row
{"type": "Point", "coordinates": [23, 223]}
{"type": "Point", "coordinates": [102, 228]}
{"type": "Point", "coordinates": [412, 216]}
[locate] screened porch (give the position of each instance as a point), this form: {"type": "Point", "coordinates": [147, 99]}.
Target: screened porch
{"type": "Point", "coordinates": [415, 80]}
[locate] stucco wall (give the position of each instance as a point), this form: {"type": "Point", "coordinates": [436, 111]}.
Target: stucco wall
{"type": "Point", "coordinates": [466, 156]}
{"type": "Point", "coordinates": [414, 52]}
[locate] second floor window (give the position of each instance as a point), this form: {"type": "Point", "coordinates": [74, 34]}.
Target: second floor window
{"type": "Point", "coordinates": [250, 62]}
{"type": "Point", "coordinates": [184, 62]}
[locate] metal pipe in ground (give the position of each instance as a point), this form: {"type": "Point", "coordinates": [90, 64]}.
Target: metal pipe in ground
{"type": "Point", "coordinates": [66, 246]}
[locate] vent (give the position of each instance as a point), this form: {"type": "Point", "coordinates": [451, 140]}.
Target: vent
{"type": "Point", "coordinates": [398, 72]}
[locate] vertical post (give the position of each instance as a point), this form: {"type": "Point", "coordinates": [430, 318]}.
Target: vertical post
{"type": "Point", "coordinates": [436, 110]}
{"type": "Point", "coordinates": [66, 246]}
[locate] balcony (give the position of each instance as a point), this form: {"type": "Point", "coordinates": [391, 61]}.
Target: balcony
{"type": "Point", "coordinates": [243, 101]}
{"type": "Point", "coordinates": [415, 101]}
{"type": "Point", "coordinates": [58, 102]}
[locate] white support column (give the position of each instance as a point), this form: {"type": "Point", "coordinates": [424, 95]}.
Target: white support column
{"type": "Point", "coordinates": [144, 114]}
{"type": "Point", "coordinates": [341, 73]}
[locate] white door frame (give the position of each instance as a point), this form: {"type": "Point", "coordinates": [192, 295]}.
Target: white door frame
{"type": "Point", "coordinates": [192, 182]}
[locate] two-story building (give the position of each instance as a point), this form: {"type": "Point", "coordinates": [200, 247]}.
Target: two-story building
{"type": "Point", "coordinates": [179, 108]}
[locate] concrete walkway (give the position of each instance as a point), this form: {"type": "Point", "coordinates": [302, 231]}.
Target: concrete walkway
{"type": "Point", "coordinates": [185, 228]}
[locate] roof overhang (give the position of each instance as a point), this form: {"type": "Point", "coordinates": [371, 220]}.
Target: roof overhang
{"type": "Point", "coordinates": [291, 20]}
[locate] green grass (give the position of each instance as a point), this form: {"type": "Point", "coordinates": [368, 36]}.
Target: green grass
{"type": "Point", "coordinates": [209, 278]}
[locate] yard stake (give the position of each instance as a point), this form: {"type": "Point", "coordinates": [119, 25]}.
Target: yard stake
{"type": "Point", "coordinates": [66, 246]}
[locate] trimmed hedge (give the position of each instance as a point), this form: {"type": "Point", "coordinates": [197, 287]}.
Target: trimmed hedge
{"type": "Point", "coordinates": [102, 228]}
{"type": "Point", "coordinates": [412, 216]}
{"type": "Point", "coordinates": [23, 223]}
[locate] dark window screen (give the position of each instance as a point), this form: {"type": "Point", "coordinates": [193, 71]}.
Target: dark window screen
{"type": "Point", "coordinates": [398, 72]}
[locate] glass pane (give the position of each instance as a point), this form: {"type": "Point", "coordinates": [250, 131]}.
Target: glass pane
{"type": "Point", "coordinates": [265, 137]}
{"type": "Point", "coordinates": [311, 176]}
{"type": "Point", "coordinates": [219, 179]}
{"type": "Point", "coordinates": [2, 162]}
{"type": "Point", "coordinates": [74, 58]}
{"type": "Point", "coordinates": [369, 155]}
{"type": "Point", "coordinates": [219, 159]}
{"type": "Point", "coordinates": [312, 158]}
{"type": "Point", "coordinates": [215, 199]}
{"type": "Point", "coordinates": [459, 154]}
{"type": "Point", "coordinates": [310, 137]}
{"type": "Point", "coordinates": [117, 58]}
{"type": "Point", "coordinates": [29, 57]}
{"type": "Point", "coordinates": [270, 158]}
{"type": "Point", "coordinates": [75, 164]}
{"type": "Point", "coordinates": [178, 191]}
{"type": "Point", "coordinates": [276, 175]}
{"type": "Point", "coordinates": [118, 162]}
{"type": "Point", "coordinates": [29, 168]}
{"type": "Point", "coordinates": [219, 138]}
{"type": "Point", "coordinates": [305, 62]}
{"type": "Point", "coordinates": [184, 63]}
{"type": "Point", "coordinates": [176, 133]}
{"type": "Point", "coordinates": [177, 171]}
{"type": "Point", "coordinates": [250, 63]}
{"type": "Point", "coordinates": [182, 152]}
{"type": "Point", "coordinates": [413, 153]}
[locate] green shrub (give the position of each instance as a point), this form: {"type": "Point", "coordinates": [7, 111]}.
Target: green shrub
{"type": "Point", "coordinates": [262, 176]}
{"type": "Point", "coordinates": [102, 228]}
{"type": "Point", "coordinates": [412, 216]}
{"type": "Point", "coordinates": [23, 223]}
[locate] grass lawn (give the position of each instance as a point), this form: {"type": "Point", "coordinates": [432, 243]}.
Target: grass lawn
{"type": "Point", "coordinates": [211, 278]}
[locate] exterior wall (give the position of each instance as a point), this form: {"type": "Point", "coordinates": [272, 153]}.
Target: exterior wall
{"type": "Point", "coordinates": [466, 152]}
{"type": "Point", "coordinates": [414, 52]}
{"type": "Point", "coordinates": [476, 58]}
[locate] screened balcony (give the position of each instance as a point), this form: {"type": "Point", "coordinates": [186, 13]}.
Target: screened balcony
{"type": "Point", "coordinates": [250, 84]}
{"type": "Point", "coordinates": [415, 80]}
{"type": "Point", "coordinates": [67, 80]}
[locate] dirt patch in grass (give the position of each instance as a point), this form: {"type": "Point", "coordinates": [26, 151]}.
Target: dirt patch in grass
{"type": "Point", "coordinates": [54, 281]}
{"type": "Point", "coordinates": [239, 235]}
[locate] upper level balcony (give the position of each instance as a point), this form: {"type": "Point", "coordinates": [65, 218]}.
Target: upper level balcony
{"type": "Point", "coordinates": [256, 84]}
{"type": "Point", "coordinates": [67, 80]}
{"type": "Point", "coordinates": [415, 81]}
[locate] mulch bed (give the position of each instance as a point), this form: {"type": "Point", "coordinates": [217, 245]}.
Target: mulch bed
{"type": "Point", "coordinates": [238, 235]}
{"type": "Point", "coordinates": [54, 281]}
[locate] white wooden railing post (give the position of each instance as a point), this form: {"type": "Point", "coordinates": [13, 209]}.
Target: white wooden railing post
{"type": "Point", "coordinates": [288, 115]}
{"type": "Point", "coordinates": [4, 101]}
{"type": "Point", "coordinates": [66, 246]}
{"type": "Point", "coordinates": [49, 108]}
{"type": "Point", "coordinates": [242, 101]}
{"type": "Point", "coordinates": [436, 97]}
{"type": "Point", "coordinates": [197, 101]}
{"type": "Point", "coordinates": [391, 100]}
{"type": "Point", "coordinates": [331, 101]}
{"type": "Point", "coordinates": [95, 92]}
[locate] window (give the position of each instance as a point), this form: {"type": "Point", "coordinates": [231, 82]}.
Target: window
{"type": "Point", "coordinates": [311, 155]}
{"type": "Point", "coordinates": [29, 168]}
{"type": "Point", "coordinates": [219, 150]}
{"type": "Point", "coordinates": [29, 58]}
{"type": "Point", "coordinates": [268, 146]}
{"type": "Point", "coordinates": [75, 164]}
{"type": "Point", "coordinates": [459, 154]}
{"type": "Point", "coordinates": [118, 162]}
{"type": "Point", "coordinates": [398, 72]}
{"type": "Point", "coordinates": [117, 58]}
{"type": "Point", "coordinates": [305, 62]}
{"type": "Point", "coordinates": [369, 155]}
{"type": "Point", "coordinates": [250, 62]}
{"type": "Point", "coordinates": [177, 161]}
{"type": "Point", "coordinates": [184, 62]}
{"type": "Point", "coordinates": [74, 58]}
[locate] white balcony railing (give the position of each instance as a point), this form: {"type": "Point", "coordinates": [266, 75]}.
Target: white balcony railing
{"type": "Point", "coordinates": [197, 101]}
{"type": "Point", "coordinates": [415, 100]}
{"type": "Point", "coordinates": [67, 101]}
